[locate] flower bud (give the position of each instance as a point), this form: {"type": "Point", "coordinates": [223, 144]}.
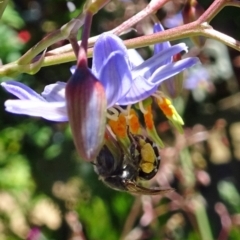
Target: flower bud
{"type": "Point", "coordinates": [86, 105]}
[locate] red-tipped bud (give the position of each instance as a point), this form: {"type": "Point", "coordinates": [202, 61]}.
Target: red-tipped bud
{"type": "Point", "coordinates": [86, 105]}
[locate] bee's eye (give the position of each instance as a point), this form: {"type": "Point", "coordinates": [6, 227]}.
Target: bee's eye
{"type": "Point", "coordinates": [105, 162]}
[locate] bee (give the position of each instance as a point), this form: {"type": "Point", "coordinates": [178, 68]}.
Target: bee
{"type": "Point", "coordinates": [125, 173]}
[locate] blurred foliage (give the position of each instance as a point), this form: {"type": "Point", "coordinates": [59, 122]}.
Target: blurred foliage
{"type": "Point", "coordinates": [47, 192]}
{"type": "Point", "coordinates": [11, 44]}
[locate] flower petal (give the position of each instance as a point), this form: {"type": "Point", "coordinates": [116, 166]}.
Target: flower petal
{"type": "Point", "coordinates": [134, 57]}
{"type": "Point", "coordinates": [147, 68]}
{"type": "Point", "coordinates": [172, 69]}
{"type": "Point", "coordinates": [116, 77]}
{"type": "Point", "coordinates": [104, 46]}
{"type": "Point", "coordinates": [55, 92]}
{"type": "Point", "coordinates": [161, 46]}
{"type": "Point", "coordinates": [21, 91]}
{"type": "Point", "coordinates": [140, 89]}
{"type": "Point", "coordinates": [55, 111]}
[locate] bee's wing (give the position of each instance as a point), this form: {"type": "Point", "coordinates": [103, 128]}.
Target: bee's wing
{"type": "Point", "coordinates": [138, 189]}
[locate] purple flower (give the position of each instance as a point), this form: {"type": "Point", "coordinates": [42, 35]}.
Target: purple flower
{"type": "Point", "coordinates": [126, 78]}
{"type": "Point", "coordinates": [51, 104]}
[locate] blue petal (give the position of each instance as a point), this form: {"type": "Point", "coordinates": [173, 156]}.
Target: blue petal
{"type": "Point", "coordinates": [21, 91]}
{"type": "Point", "coordinates": [116, 77]}
{"type": "Point", "coordinates": [161, 46]}
{"type": "Point", "coordinates": [140, 90]}
{"type": "Point", "coordinates": [135, 58]}
{"type": "Point", "coordinates": [143, 88]}
{"type": "Point", "coordinates": [55, 92]}
{"type": "Point", "coordinates": [147, 68]}
{"type": "Point", "coordinates": [172, 69]}
{"type": "Point", "coordinates": [51, 111]}
{"type": "Point", "coordinates": [104, 46]}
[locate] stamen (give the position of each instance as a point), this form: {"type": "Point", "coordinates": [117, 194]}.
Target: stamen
{"type": "Point", "coordinates": [148, 118]}
{"type": "Point", "coordinates": [169, 110]}
{"type": "Point", "coordinates": [119, 126]}
{"type": "Point", "coordinates": [124, 111]}
{"type": "Point", "coordinates": [129, 115]}
{"type": "Point", "coordinates": [166, 106]}
{"type": "Point", "coordinates": [157, 95]}
{"type": "Point", "coordinates": [133, 123]}
{"type": "Point", "coordinates": [129, 109]}
{"type": "Point", "coordinates": [109, 134]}
{"type": "Point", "coordinates": [141, 107]}
{"type": "Point", "coordinates": [151, 130]}
{"type": "Point", "coordinates": [113, 116]}
{"type": "Point", "coordinates": [160, 93]}
{"type": "Point", "coordinates": [113, 110]}
{"type": "Point", "coordinates": [111, 142]}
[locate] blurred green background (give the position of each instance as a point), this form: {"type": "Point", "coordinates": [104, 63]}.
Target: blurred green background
{"type": "Point", "coordinates": [47, 192]}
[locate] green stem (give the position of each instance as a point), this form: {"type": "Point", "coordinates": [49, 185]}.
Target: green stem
{"type": "Point", "coordinates": [58, 35]}
{"type": "Point", "coordinates": [188, 30]}
{"type": "Point", "coordinates": [214, 34]}
{"type": "Point", "coordinates": [191, 29]}
{"type": "Point", "coordinates": [207, 16]}
{"type": "Point", "coordinates": [68, 30]}
{"type": "Point", "coordinates": [152, 7]}
{"type": "Point", "coordinates": [62, 55]}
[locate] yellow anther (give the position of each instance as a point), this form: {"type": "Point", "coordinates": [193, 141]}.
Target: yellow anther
{"type": "Point", "coordinates": [119, 127]}
{"type": "Point", "coordinates": [166, 106]}
{"type": "Point", "coordinates": [148, 118]}
{"type": "Point", "coordinates": [170, 112]}
{"type": "Point", "coordinates": [134, 124]}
